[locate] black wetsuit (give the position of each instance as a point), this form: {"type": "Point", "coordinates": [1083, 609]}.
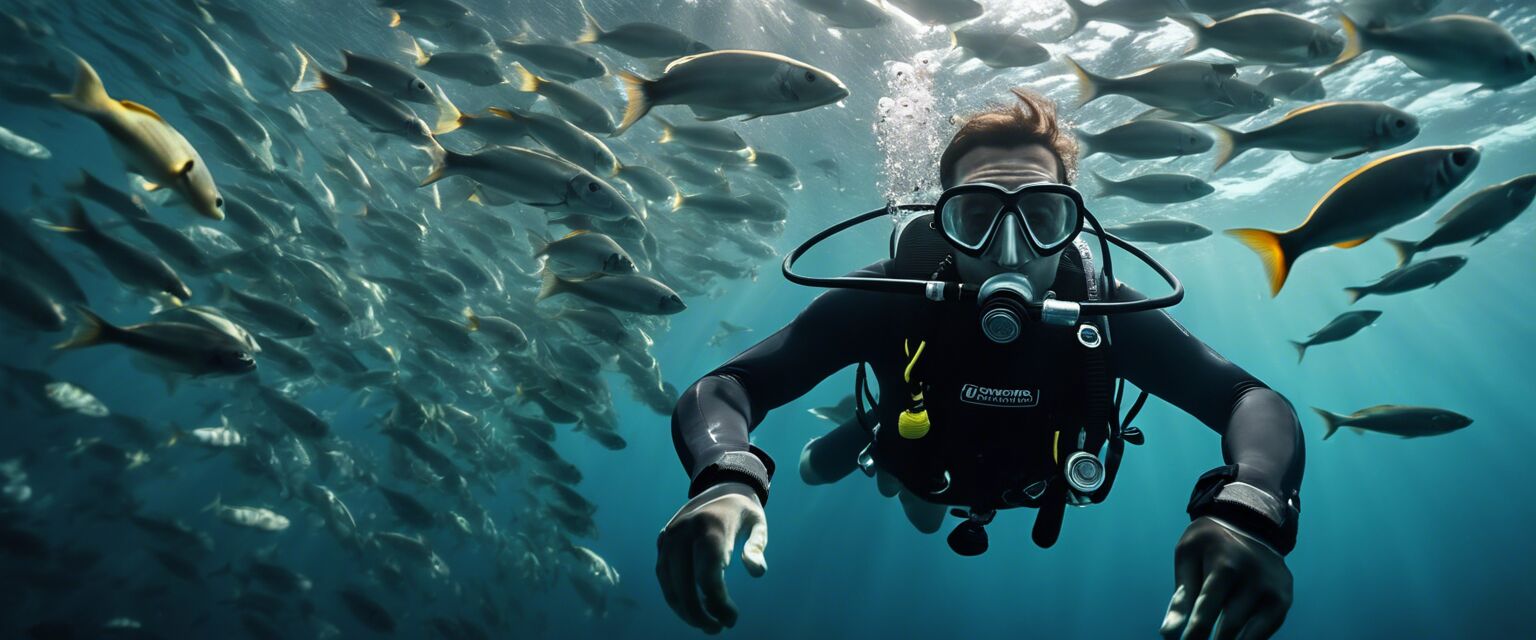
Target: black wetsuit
{"type": "Point", "coordinates": [1001, 405]}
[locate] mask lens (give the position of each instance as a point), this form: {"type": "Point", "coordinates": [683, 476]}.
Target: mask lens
{"type": "Point", "coordinates": [1050, 217]}
{"type": "Point", "coordinates": [967, 217]}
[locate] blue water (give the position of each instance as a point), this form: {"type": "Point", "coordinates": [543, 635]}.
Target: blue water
{"type": "Point", "coordinates": [1424, 538]}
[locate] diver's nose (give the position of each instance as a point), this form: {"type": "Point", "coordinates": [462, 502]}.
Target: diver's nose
{"type": "Point", "coordinates": [1008, 250]}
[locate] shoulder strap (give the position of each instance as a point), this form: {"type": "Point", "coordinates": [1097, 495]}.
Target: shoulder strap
{"type": "Point", "coordinates": [1090, 274]}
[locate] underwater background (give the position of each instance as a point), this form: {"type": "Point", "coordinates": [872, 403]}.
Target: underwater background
{"type": "Point", "coordinates": [1399, 538]}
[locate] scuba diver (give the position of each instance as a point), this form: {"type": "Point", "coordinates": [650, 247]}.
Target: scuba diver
{"type": "Point", "coordinates": [1000, 352]}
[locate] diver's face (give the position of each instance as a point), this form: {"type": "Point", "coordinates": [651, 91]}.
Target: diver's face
{"type": "Point", "coordinates": [1009, 167]}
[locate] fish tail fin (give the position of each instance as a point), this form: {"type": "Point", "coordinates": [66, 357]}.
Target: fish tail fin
{"type": "Point", "coordinates": [527, 82]}
{"type": "Point", "coordinates": [79, 184]}
{"type": "Point", "coordinates": [1081, 13]}
{"type": "Point", "coordinates": [539, 242]}
{"type": "Point", "coordinates": [1355, 43]}
{"type": "Point", "coordinates": [417, 53]}
{"type": "Point", "coordinates": [88, 94]}
{"type": "Point", "coordinates": [471, 320]}
{"type": "Point", "coordinates": [1331, 421]}
{"type": "Point", "coordinates": [1087, 84]}
{"type": "Point", "coordinates": [218, 501]}
{"type": "Point", "coordinates": [524, 34]}
{"type": "Point", "coordinates": [93, 330]}
{"type": "Point", "coordinates": [1106, 186]}
{"type": "Point", "coordinates": [311, 76]}
{"type": "Point", "coordinates": [1356, 293]}
{"type": "Point", "coordinates": [78, 221]}
{"type": "Point", "coordinates": [1272, 252]}
{"type": "Point", "coordinates": [1404, 248]}
{"type": "Point", "coordinates": [954, 40]}
{"type": "Point", "coordinates": [441, 159]}
{"type": "Point", "coordinates": [1196, 29]}
{"type": "Point", "coordinates": [591, 31]}
{"type": "Point", "coordinates": [549, 284]}
{"type": "Point", "coordinates": [222, 292]}
{"type": "Point", "coordinates": [449, 118]}
{"type": "Point", "coordinates": [177, 434]}
{"type": "Point", "coordinates": [1230, 143]}
{"type": "Point", "coordinates": [1301, 350]}
{"type": "Point", "coordinates": [637, 100]}
{"type": "Point", "coordinates": [668, 132]}
{"type": "Point", "coordinates": [1084, 143]}
{"type": "Point", "coordinates": [394, 18]}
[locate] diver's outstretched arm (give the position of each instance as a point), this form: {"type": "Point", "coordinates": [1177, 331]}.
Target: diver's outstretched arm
{"type": "Point", "coordinates": [1260, 432]}
{"type": "Point", "coordinates": [729, 477]}
{"type": "Point", "coordinates": [1229, 567]}
{"type": "Point", "coordinates": [714, 416]}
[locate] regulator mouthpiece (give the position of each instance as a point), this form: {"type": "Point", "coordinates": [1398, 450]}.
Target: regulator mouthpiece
{"type": "Point", "coordinates": [1005, 300]}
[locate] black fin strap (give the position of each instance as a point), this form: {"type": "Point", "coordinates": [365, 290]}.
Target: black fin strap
{"type": "Point", "coordinates": [860, 392]}
{"type": "Point", "coordinates": [1048, 519]}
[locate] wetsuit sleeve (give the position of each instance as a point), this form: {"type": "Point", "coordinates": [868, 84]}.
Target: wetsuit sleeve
{"type": "Point", "coordinates": [1261, 435]}
{"type": "Point", "coordinates": [714, 416]}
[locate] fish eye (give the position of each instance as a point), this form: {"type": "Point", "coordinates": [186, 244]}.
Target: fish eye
{"type": "Point", "coordinates": [1530, 57]}
{"type": "Point", "coordinates": [810, 77]}
{"type": "Point", "coordinates": [421, 86]}
{"type": "Point", "coordinates": [592, 187]}
{"type": "Point", "coordinates": [1460, 157]}
{"type": "Point", "coordinates": [218, 202]}
{"type": "Point", "coordinates": [1400, 123]}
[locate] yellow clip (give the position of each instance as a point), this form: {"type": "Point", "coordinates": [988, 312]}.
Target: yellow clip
{"type": "Point", "coordinates": [912, 424]}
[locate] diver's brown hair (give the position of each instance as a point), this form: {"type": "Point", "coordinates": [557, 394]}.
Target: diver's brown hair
{"type": "Point", "coordinates": [1031, 120]}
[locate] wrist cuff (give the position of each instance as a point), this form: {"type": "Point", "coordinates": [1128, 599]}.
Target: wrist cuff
{"type": "Point", "coordinates": [1250, 508]}
{"type": "Point", "coordinates": [752, 467]}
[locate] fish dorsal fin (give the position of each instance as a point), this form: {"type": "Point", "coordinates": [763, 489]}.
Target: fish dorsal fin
{"type": "Point", "coordinates": [1306, 109]}
{"type": "Point", "coordinates": [575, 233]}
{"type": "Point", "coordinates": [764, 54]}
{"type": "Point", "coordinates": [139, 108]}
{"type": "Point", "coordinates": [185, 171]}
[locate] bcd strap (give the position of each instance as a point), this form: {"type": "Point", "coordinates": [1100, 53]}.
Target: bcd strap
{"type": "Point", "coordinates": [861, 394]}
{"type": "Point", "coordinates": [1049, 516]}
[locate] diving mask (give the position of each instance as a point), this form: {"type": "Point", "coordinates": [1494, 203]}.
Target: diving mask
{"type": "Point", "coordinates": [971, 216]}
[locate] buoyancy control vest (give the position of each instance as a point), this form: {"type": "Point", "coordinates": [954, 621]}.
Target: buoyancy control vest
{"type": "Point", "coordinates": [975, 429]}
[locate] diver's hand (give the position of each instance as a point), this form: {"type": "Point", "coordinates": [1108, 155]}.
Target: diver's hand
{"type": "Point", "coordinates": [695, 547]}
{"type": "Point", "coordinates": [1219, 570]}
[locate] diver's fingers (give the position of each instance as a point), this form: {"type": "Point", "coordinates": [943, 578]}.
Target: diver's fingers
{"type": "Point", "coordinates": [709, 559]}
{"type": "Point", "coordinates": [1213, 594]}
{"type": "Point", "coordinates": [664, 572]}
{"type": "Point", "coordinates": [757, 543]}
{"type": "Point", "coordinates": [1186, 581]}
{"type": "Point", "coordinates": [1266, 621]}
{"type": "Point", "coordinates": [1178, 613]}
{"type": "Point", "coordinates": [680, 573]}
{"type": "Point", "coordinates": [1236, 614]}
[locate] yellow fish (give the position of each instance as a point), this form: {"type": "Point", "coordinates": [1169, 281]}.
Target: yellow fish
{"type": "Point", "coordinates": [1378, 196]}
{"type": "Point", "coordinates": [147, 144]}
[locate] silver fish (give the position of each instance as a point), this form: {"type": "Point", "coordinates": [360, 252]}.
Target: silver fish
{"type": "Point", "coordinates": [1475, 218]}
{"type": "Point", "coordinates": [722, 84]}
{"type": "Point", "coordinates": [1397, 420]}
{"type": "Point", "coordinates": [1459, 48]}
